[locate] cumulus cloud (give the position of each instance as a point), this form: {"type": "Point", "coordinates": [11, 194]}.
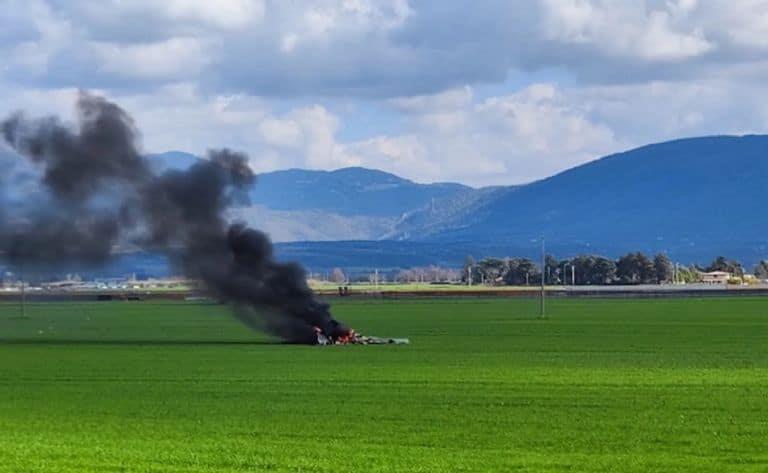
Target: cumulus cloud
{"type": "Point", "coordinates": [503, 139]}
{"type": "Point", "coordinates": [496, 92]}
{"type": "Point", "coordinates": [32, 35]}
{"type": "Point", "coordinates": [139, 21]}
{"type": "Point", "coordinates": [375, 48]}
{"type": "Point", "coordinates": [180, 117]}
{"type": "Point", "coordinates": [626, 29]}
{"type": "Point", "coordinates": [500, 140]}
{"type": "Point", "coordinates": [170, 59]}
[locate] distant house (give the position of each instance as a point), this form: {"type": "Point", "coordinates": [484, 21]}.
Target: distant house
{"type": "Point", "coordinates": [715, 277]}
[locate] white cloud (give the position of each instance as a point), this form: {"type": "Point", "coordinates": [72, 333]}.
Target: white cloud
{"type": "Point", "coordinates": [512, 138]}
{"type": "Point", "coordinates": [544, 128]}
{"type": "Point", "coordinates": [505, 139]}
{"type": "Point", "coordinates": [376, 48]}
{"type": "Point", "coordinates": [282, 80]}
{"type": "Point", "coordinates": [173, 58]}
{"type": "Point", "coordinates": [176, 15]}
{"type": "Point", "coordinates": [656, 111]}
{"type": "Point", "coordinates": [395, 154]}
{"type": "Point", "coordinates": [228, 14]}
{"type": "Point", "coordinates": [625, 29]}
{"type": "Point", "coordinates": [281, 133]}
{"type": "Point", "coordinates": [178, 117]}
{"type": "Point", "coordinates": [447, 100]}
{"type": "Point", "coordinates": [33, 35]}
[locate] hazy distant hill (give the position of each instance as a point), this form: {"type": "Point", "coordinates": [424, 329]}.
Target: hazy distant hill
{"type": "Point", "coordinates": [693, 198]}
{"type": "Point", "coordinates": [446, 213]}
{"type": "Point", "coordinates": [348, 191]}
{"type": "Point", "coordinates": [172, 160]}
{"type": "Point", "coordinates": [345, 204]}
{"type": "Point", "coordinates": [698, 195]}
{"type": "Point", "coordinates": [312, 225]}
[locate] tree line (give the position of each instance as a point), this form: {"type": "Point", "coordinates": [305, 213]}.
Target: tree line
{"type": "Point", "coordinates": [632, 268]}
{"type": "Point", "coordinates": [421, 274]}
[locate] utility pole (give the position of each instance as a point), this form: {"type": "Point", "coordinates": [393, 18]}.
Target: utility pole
{"type": "Point", "coordinates": [23, 294]}
{"type": "Point", "coordinates": [542, 308]}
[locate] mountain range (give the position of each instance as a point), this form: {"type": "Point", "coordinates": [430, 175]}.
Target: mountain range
{"type": "Point", "coordinates": [692, 198]}
{"type": "Point", "coordinates": [695, 197]}
{"type": "Point", "coordinates": [698, 191]}
{"type": "Point", "coordinates": [346, 204]}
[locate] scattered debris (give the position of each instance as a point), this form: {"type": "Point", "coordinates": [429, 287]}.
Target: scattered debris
{"type": "Point", "coordinates": [353, 338]}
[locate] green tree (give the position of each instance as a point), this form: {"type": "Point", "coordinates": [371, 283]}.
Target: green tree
{"type": "Point", "coordinates": [552, 270]}
{"type": "Point", "coordinates": [603, 271]}
{"type": "Point", "coordinates": [718, 264]}
{"type": "Point", "coordinates": [721, 263]}
{"type": "Point", "coordinates": [663, 268]}
{"type": "Point", "coordinates": [492, 270]}
{"type": "Point", "coordinates": [635, 268]}
{"type": "Point", "coordinates": [592, 270]}
{"type": "Point", "coordinates": [761, 270]}
{"type": "Point", "coordinates": [521, 271]}
{"type": "Point", "coordinates": [688, 274]}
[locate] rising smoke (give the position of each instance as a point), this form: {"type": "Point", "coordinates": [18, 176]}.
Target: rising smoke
{"type": "Point", "coordinates": [95, 191]}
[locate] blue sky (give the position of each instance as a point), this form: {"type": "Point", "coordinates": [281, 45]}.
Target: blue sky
{"type": "Point", "coordinates": [491, 92]}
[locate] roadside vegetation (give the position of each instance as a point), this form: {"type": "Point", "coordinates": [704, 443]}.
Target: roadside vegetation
{"type": "Point", "coordinates": [585, 270]}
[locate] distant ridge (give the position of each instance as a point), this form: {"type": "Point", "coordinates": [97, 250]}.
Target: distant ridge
{"type": "Point", "coordinates": [348, 191]}
{"type": "Point", "coordinates": [701, 195]}
{"type": "Point", "coordinates": [172, 160]}
{"type": "Point", "coordinates": [693, 198]}
{"type": "Point", "coordinates": [348, 203]}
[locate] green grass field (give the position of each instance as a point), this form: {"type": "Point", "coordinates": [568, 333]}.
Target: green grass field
{"type": "Point", "coordinates": [420, 287]}
{"type": "Point", "coordinates": [601, 385]}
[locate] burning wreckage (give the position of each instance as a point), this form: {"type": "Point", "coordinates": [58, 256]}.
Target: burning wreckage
{"type": "Point", "coordinates": [350, 337]}
{"type": "Point", "coordinates": [180, 213]}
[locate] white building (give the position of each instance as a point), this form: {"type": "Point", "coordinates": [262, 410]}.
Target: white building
{"type": "Point", "coordinates": [715, 277]}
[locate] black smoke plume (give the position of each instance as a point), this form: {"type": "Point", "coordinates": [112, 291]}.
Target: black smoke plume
{"type": "Point", "coordinates": [96, 191]}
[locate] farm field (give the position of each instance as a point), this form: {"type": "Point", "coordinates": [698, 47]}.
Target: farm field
{"type": "Point", "coordinates": [437, 290]}
{"type": "Point", "coordinates": [600, 385]}
{"type": "Point", "coordinates": [418, 287]}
